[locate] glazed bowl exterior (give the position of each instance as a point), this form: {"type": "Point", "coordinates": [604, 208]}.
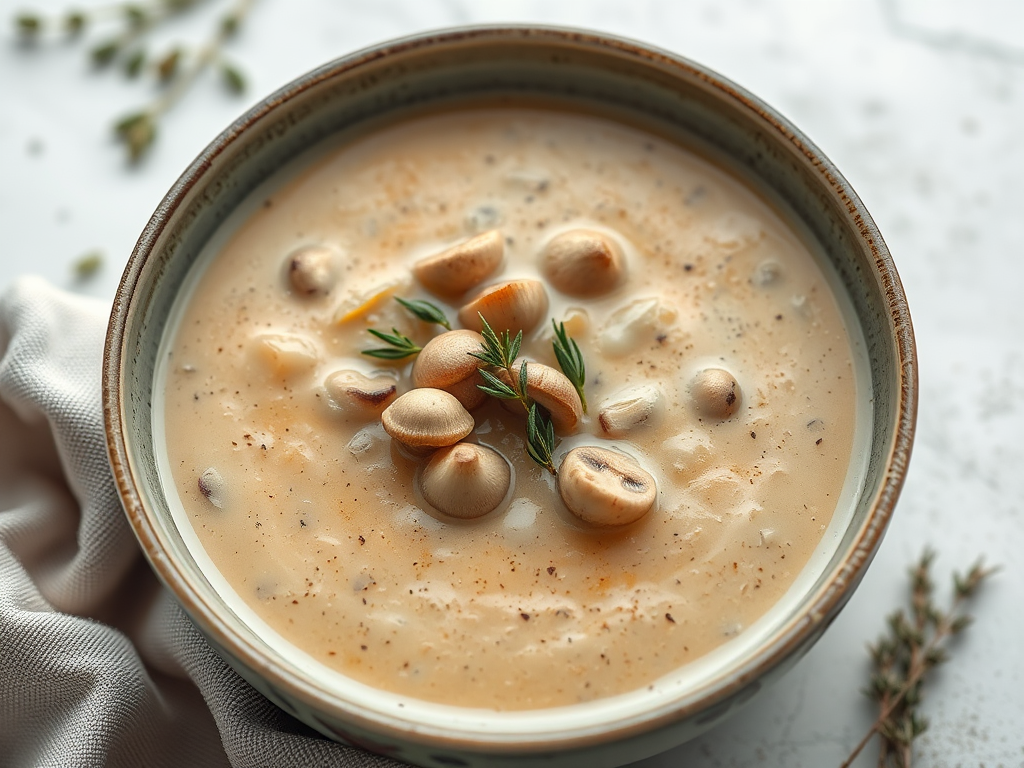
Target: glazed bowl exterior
{"type": "Point", "coordinates": [652, 89]}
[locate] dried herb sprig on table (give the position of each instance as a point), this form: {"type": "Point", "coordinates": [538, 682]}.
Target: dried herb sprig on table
{"type": "Point", "coordinates": [914, 645]}
{"type": "Point", "coordinates": [176, 69]}
{"type": "Point", "coordinates": [500, 352]}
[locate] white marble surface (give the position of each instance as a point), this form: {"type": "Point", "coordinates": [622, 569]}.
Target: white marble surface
{"type": "Point", "coordinates": [921, 105]}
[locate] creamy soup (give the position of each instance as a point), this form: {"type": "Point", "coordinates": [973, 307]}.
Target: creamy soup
{"type": "Point", "coordinates": [316, 517]}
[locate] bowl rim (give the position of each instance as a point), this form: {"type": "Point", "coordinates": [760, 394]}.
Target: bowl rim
{"type": "Point", "coordinates": [785, 641]}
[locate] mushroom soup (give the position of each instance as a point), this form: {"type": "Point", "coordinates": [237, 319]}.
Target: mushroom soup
{"type": "Point", "coordinates": [393, 522]}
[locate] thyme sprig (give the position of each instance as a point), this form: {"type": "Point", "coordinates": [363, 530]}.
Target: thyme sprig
{"type": "Point", "coordinates": [914, 645]}
{"type": "Point", "coordinates": [570, 360]}
{"type": "Point", "coordinates": [401, 345]}
{"type": "Point", "coordinates": [177, 69]}
{"type": "Point", "coordinates": [500, 352]}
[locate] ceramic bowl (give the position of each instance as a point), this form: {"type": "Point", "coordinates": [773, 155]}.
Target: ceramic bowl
{"type": "Point", "coordinates": [652, 88]}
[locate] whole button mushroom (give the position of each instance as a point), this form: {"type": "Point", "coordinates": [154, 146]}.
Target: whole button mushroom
{"type": "Point", "coordinates": [605, 487]}
{"type": "Point", "coordinates": [445, 363]}
{"type": "Point", "coordinates": [514, 305]}
{"type": "Point", "coordinates": [312, 270]}
{"type": "Point", "coordinates": [355, 392]}
{"type": "Point", "coordinates": [715, 393]}
{"type": "Point", "coordinates": [427, 419]}
{"type": "Point", "coordinates": [551, 390]}
{"type": "Point", "coordinates": [463, 266]}
{"type": "Point", "coordinates": [583, 262]}
{"type": "Point", "coordinates": [465, 480]}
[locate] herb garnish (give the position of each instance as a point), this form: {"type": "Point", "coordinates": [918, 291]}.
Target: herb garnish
{"type": "Point", "coordinates": [401, 345]}
{"type": "Point", "coordinates": [913, 646]}
{"type": "Point", "coordinates": [570, 360]}
{"type": "Point", "coordinates": [425, 311]}
{"type": "Point", "coordinates": [500, 352]}
{"type": "Point", "coordinates": [177, 68]}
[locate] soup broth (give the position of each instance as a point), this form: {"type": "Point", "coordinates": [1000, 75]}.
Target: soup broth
{"type": "Point", "coordinates": [316, 518]}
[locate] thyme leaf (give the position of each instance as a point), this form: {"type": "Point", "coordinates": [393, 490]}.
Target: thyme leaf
{"type": "Point", "coordinates": [401, 345]}
{"type": "Point", "coordinates": [425, 311]}
{"type": "Point", "coordinates": [570, 360]}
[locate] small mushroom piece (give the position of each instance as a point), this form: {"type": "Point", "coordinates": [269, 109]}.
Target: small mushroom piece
{"type": "Point", "coordinates": [427, 418]}
{"type": "Point", "coordinates": [550, 389]}
{"type": "Point", "coordinates": [583, 262]}
{"type": "Point", "coordinates": [715, 393]}
{"type": "Point", "coordinates": [211, 485]}
{"type": "Point", "coordinates": [515, 305]}
{"type": "Point", "coordinates": [605, 487]}
{"type": "Point", "coordinates": [286, 354]}
{"type": "Point", "coordinates": [629, 409]}
{"type": "Point", "coordinates": [355, 392]}
{"type": "Point", "coordinates": [312, 270]}
{"type": "Point", "coordinates": [456, 270]}
{"type": "Point", "coordinates": [445, 363]}
{"type": "Point", "coordinates": [465, 480]}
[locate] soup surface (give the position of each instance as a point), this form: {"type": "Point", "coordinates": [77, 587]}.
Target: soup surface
{"type": "Point", "coordinates": [316, 519]}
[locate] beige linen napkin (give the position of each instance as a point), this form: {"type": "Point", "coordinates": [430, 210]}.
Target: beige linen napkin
{"type": "Point", "coordinates": [98, 664]}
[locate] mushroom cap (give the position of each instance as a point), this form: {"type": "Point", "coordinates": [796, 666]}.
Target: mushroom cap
{"type": "Point", "coordinates": [312, 269]}
{"type": "Point", "coordinates": [583, 262]}
{"type": "Point", "coordinates": [445, 363]}
{"type": "Point", "coordinates": [354, 391]}
{"type": "Point", "coordinates": [550, 389]}
{"type": "Point", "coordinates": [462, 266]}
{"type": "Point", "coordinates": [605, 487]}
{"type": "Point", "coordinates": [715, 393]}
{"type": "Point", "coordinates": [465, 480]}
{"type": "Point", "coordinates": [427, 418]}
{"type": "Point", "coordinates": [514, 305]}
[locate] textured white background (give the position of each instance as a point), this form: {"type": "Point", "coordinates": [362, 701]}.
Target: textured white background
{"type": "Point", "coordinates": [921, 105]}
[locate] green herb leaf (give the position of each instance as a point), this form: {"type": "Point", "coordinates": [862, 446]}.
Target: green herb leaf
{"type": "Point", "coordinates": [167, 67]}
{"type": "Point", "coordinates": [87, 265]}
{"type": "Point", "coordinates": [104, 53]}
{"type": "Point", "coordinates": [496, 387]}
{"type": "Point", "coordinates": [134, 63]}
{"type": "Point", "coordinates": [401, 345]}
{"type": "Point", "coordinates": [425, 311]}
{"type": "Point", "coordinates": [232, 77]}
{"type": "Point", "coordinates": [29, 25]}
{"type": "Point", "coordinates": [74, 22]}
{"type": "Point", "coordinates": [570, 360]}
{"type": "Point", "coordinates": [540, 439]}
{"type": "Point", "coordinates": [137, 131]}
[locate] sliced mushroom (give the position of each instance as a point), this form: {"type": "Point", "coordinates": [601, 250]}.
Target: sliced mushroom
{"type": "Point", "coordinates": [629, 409]}
{"type": "Point", "coordinates": [313, 270]}
{"type": "Point", "coordinates": [427, 419]}
{"type": "Point", "coordinates": [355, 392]}
{"type": "Point", "coordinates": [605, 487]}
{"type": "Point", "coordinates": [715, 393]}
{"type": "Point", "coordinates": [515, 305]}
{"type": "Point", "coordinates": [550, 389]}
{"type": "Point", "coordinates": [583, 262]}
{"type": "Point", "coordinates": [445, 363]}
{"type": "Point", "coordinates": [466, 480]}
{"type": "Point", "coordinates": [456, 270]}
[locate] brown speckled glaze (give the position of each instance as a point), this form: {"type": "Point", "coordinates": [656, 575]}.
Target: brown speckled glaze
{"type": "Point", "coordinates": [651, 88]}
